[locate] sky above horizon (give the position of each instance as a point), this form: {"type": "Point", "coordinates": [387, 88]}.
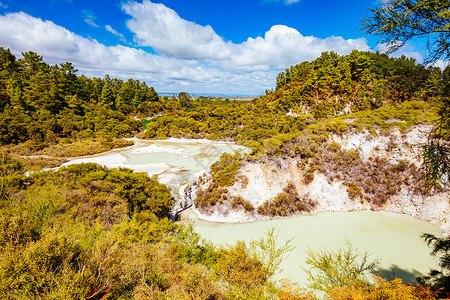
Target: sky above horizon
{"type": "Point", "coordinates": [232, 47]}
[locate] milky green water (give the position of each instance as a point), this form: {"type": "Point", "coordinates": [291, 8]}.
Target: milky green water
{"type": "Point", "coordinates": [394, 239]}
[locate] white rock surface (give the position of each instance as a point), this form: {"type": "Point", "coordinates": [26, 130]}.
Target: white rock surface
{"type": "Point", "coordinates": [265, 181]}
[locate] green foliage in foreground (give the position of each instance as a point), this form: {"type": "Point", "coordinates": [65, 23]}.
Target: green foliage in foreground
{"type": "Point", "coordinates": [438, 279]}
{"type": "Point", "coordinates": [345, 267]}
{"type": "Point", "coordinates": [88, 232]}
{"type": "Point", "coordinates": [347, 274]}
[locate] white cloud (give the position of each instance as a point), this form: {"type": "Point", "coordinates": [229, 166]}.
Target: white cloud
{"type": "Point", "coordinates": [440, 64]}
{"type": "Point", "coordinates": [283, 46]}
{"type": "Point", "coordinates": [113, 31]}
{"type": "Point", "coordinates": [58, 44]}
{"type": "Point", "coordinates": [89, 17]}
{"type": "Point", "coordinates": [189, 57]}
{"type": "Point", "coordinates": [407, 49]}
{"type": "Point", "coordinates": [161, 28]}
{"type": "Point", "coordinates": [21, 32]}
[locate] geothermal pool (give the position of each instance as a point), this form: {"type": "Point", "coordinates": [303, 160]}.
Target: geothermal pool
{"type": "Point", "coordinates": [394, 239]}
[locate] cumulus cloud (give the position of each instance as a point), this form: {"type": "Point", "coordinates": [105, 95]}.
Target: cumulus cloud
{"type": "Point", "coordinates": [89, 17]}
{"type": "Point", "coordinates": [161, 28]}
{"type": "Point", "coordinates": [283, 46]}
{"type": "Point", "coordinates": [22, 32]}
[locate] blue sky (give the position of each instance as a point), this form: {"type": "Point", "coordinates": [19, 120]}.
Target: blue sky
{"type": "Point", "coordinates": [234, 47]}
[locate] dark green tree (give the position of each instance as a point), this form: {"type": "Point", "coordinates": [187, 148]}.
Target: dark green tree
{"type": "Point", "coordinates": [107, 95]}
{"type": "Point", "coordinates": [438, 279]}
{"type": "Point", "coordinates": [50, 103]}
{"type": "Point", "coordinates": [185, 99]}
{"type": "Point", "coordinates": [398, 21]}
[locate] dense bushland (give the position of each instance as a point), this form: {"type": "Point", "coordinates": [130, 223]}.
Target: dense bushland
{"type": "Point", "coordinates": [361, 80]}
{"type": "Point", "coordinates": [46, 106]}
{"type": "Point", "coordinates": [328, 86]}
{"type": "Point", "coordinates": [88, 232]}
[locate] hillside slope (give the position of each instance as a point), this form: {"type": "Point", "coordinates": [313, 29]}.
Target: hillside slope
{"type": "Point", "coordinates": [384, 176]}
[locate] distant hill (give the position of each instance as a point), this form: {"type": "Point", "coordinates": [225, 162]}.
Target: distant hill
{"type": "Point", "coordinates": [333, 84]}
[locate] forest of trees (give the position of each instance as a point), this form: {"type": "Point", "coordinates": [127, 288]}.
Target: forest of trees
{"type": "Point", "coordinates": [306, 94]}
{"type": "Point", "coordinates": [361, 80]}
{"type": "Point", "coordinates": [43, 105]}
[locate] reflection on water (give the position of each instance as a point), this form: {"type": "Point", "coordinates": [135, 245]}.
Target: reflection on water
{"type": "Point", "coordinates": [394, 239]}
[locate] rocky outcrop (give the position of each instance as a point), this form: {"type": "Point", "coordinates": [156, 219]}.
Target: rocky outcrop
{"type": "Point", "coordinates": [268, 179]}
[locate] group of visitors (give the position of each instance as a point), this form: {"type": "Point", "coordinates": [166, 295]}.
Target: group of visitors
{"type": "Point", "coordinates": [187, 196]}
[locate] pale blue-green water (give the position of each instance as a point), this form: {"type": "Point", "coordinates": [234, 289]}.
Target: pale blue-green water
{"type": "Point", "coordinates": [393, 239]}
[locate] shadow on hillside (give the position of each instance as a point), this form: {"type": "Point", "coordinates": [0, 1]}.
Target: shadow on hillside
{"type": "Point", "coordinates": [396, 272]}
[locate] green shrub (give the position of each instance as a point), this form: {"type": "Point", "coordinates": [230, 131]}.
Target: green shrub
{"type": "Point", "coordinates": [286, 203]}
{"type": "Point", "coordinates": [353, 190]}
{"type": "Point", "coordinates": [239, 202]}
{"type": "Point", "coordinates": [223, 172]}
